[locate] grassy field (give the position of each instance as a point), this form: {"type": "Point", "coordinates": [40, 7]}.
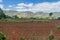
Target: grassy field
{"type": "Point", "coordinates": [23, 20]}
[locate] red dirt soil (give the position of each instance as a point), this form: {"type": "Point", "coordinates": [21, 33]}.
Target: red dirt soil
{"type": "Point", "coordinates": [15, 30]}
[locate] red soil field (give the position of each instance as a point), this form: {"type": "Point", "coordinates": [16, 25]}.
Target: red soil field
{"type": "Point", "coordinates": [15, 30]}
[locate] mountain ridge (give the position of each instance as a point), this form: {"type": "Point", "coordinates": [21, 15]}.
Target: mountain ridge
{"type": "Point", "coordinates": [30, 14]}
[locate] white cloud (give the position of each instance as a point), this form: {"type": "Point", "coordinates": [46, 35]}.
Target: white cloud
{"type": "Point", "coordinates": [7, 9]}
{"type": "Point", "coordinates": [45, 7]}
{"type": "Point", "coordinates": [1, 0]}
{"type": "Point", "coordinates": [22, 5]}
{"type": "Point", "coordinates": [1, 6]}
{"type": "Point", "coordinates": [10, 6]}
{"type": "Point", "coordinates": [29, 5]}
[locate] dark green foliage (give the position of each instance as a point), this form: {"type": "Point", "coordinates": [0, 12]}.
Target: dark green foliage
{"type": "Point", "coordinates": [2, 15]}
{"type": "Point", "coordinates": [50, 14]}
{"type": "Point", "coordinates": [51, 36]}
{"type": "Point", "coordinates": [22, 38]}
{"type": "Point", "coordinates": [8, 16]}
{"type": "Point", "coordinates": [15, 16]}
{"type": "Point", "coordinates": [58, 18]}
{"type": "Point", "coordinates": [2, 36]}
{"type": "Point", "coordinates": [32, 18]}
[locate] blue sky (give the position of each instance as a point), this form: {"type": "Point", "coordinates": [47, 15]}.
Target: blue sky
{"type": "Point", "coordinates": [7, 2]}
{"type": "Point", "coordinates": [32, 5]}
{"type": "Point", "coordinates": [27, 1]}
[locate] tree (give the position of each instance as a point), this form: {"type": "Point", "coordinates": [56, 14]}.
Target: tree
{"type": "Point", "coordinates": [50, 14]}
{"type": "Point", "coordinates": [2, 36]}
{"type": "Point", "coordinates": [2, 15]}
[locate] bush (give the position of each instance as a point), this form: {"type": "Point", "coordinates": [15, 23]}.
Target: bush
{"type": "Point", "coordinates": [15, 16]}
{"type": "Point", "coordinates": [32, 18]}
{"type": "Point", "coordinates": [2, 36]}
{"type": "Point", "coordinates": [22, 38]}
{"type": "Point", "coordinates": [58, 27]}
{"type": "Point", "coordinates": [51, 36]}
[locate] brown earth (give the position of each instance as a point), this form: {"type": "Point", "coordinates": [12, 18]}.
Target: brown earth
{"type": "Point", "coordinates": [15, 30]}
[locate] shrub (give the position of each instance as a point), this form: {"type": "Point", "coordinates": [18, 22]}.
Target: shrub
{"type": "Point", "coordinates": [2, 36]}
{"type": "Point", "coordinates": [51, 36]}
{"type": "Point", "coordinates": [22, 38]}
{"type": "Point", "coordinates": [32, 18]}
{"type": "Point", "coordinates": [58, 27]}
{"type": "Point", "coordinates": [15, 16]}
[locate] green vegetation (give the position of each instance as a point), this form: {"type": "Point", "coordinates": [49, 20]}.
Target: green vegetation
{"type": "Point", "coordinates": [23, 20]}
{"type": "Point", "coordinates": [6, 18]}
{"type": "Point", "coordinates": [15, 18]}
{"type": "Point", "coordinates": [22, 38]}
{"type": "Point", "coordinates": [58, 18]}
{"type": "Point", "coordinates": [2, 36]}
{"type": "Point", "coordinates": [51, 36]}
{"type": "Point", "coordinates": [58, 27]}
{"type": "Point", "coordinates": [2, 15]}
{"type": "Point", "coordinates": [50, 14]}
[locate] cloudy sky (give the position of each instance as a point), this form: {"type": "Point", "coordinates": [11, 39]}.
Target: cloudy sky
{"type": "Point", "coordinates": [31, 5]}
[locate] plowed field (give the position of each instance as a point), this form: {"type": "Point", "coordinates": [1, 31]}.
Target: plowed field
{"type": "Point", "coordinates": [15, 30]}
